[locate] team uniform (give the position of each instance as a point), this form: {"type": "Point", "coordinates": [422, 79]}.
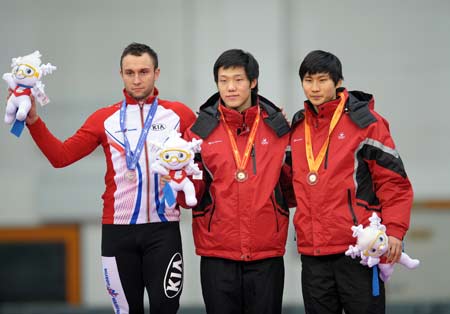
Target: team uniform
{"type": "Point", "coordinates": [240, 228]}
{"type": "Point", "coordinates": [140, 247]}
{"type": "Point", "coordinates": [362, 172]}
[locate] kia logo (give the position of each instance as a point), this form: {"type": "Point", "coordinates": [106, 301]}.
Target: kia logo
{"type": "Point", "coordinates": [158, 127]}
{"type": "Point", "coordinates": [173, 280]}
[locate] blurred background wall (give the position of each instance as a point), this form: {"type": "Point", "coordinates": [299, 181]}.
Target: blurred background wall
{"type": "Point", "coordinates": [397, 50]}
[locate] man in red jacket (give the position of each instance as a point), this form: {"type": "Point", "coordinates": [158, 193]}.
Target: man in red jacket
{"type": "Point", "coordinates": [240, 225]}
{"type": "Point", "coordinates": [141, 244]}
{"type": "Point", "coordinates": [345, 167]}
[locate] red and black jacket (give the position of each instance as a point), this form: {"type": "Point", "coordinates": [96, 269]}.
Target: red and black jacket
{"type": "Point", "coordinates": [362, 172]}
{"type": "Point", "coordinates": [241, 220]}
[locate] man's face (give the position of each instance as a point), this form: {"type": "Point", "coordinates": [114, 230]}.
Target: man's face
{"type": "Point", "coordinates": [235, 88]}
{"type": "Point", "coordinates": [319, 88]}
{"type": "Point", "coordinates": [139, 75]}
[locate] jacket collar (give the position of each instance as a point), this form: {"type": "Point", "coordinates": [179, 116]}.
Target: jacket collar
{"type": "Point", "coordinates": [237, 119]}
{"type": "Point", "coordinates": [209, 116]}
{"type": "Point", "coordinates": [358, 107]}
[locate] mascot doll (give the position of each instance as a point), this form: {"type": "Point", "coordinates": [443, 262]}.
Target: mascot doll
{"type": "Point", "coordinates": [372, 244]}
{"type": "Point", "coordinates": [25, 80]}
{"type": "Point", "coordinates": [175, 159]}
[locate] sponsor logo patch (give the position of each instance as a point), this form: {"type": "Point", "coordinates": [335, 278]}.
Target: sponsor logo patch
{"type": "Point", "coordinates": [111, 292]}
{"type": "Point", "coordinates": [173, 280]}
{"type": "Point", "coordinates": [158, 127]}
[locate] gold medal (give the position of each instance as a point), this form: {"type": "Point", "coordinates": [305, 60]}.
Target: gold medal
{"type": "Point", "coordinates": [241, 175]}
{"type": "Point", "coordinates": [312, 178]}
{"type": "Point", "coordinates": [130, 175]}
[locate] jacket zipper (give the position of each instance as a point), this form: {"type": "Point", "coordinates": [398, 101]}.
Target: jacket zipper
{"type": "Point", "coordinates": [141, 108]}
{"type": "Point", "coordinates": [350, 206]}
{"type": "Point", "coordinates": [253, 154]}
{"type": "Point", "coordinates": [274, 209]}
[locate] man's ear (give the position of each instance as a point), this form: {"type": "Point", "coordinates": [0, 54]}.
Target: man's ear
{"type": "Point", "coordinates": [339, 84]}
{"type": "Point", "coordinates": [253, 83]}
{"type": "Point", "coordinates": [157, 72]}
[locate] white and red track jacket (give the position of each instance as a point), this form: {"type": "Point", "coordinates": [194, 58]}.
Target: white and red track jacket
{"type": "Point", "coordinates": [124, 201]}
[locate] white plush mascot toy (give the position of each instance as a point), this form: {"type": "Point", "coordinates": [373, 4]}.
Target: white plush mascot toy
{"type": "Point", "coordinates": [175, 158]}
{"type": "Point", "coordinates": [24, 80]}
{"type": "Point", "coordinates": [372, 244]}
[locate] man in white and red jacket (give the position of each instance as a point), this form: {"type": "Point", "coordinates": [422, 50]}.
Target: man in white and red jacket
{"type": "Point", "coordinates": [240, 225]}
{"type": "Point", "coordinates": [141, 240]}
{"type": "Point", "coordinates": [345, 167]}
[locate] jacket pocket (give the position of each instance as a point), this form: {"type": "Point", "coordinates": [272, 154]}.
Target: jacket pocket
{"type": "Point", "coordinates": [213, 209]}
{"type": "Point", "coordinates": [274, 205]}
{"type": "Point", "coordinates": [205, 206]}
{"type": "Point", "coordinates": [350, 207]}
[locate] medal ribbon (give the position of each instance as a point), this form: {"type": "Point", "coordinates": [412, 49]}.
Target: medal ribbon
{"type": "Point", "coordinates": [314, 164]}
{"type": "Point", "coordinates": [241, 163]}
{"type": "Point", "coordinates": [132, 158]}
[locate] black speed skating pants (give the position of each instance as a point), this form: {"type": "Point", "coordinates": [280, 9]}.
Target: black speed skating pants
{"type": "Point", "coordinates": [143, 256]}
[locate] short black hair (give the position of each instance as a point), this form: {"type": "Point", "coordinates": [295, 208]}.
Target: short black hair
{"type": "Point", "coordinates": [137, 49]}
{"type": "Point", "coordinates": [238, 58]}
{"type": "Point", "coordinates": [319, 61]}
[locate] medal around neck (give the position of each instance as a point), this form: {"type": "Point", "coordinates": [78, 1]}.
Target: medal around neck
{"type": "Point", "coordinates": [241, 176]}
{"type": "Point", "coordinates": [241, 162]}
{"type": "Point", "coordinates": [130, 175]}
{"type": "Point", "coordinates": [312, 178]}
{"type": "Point", "coordinates": [314, 163]}
{"type": "Point", "coordinates": [131, 157]}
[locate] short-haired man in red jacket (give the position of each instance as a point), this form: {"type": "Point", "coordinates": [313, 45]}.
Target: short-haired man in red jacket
{"type": "Point", "coordinates": [240, 225]}
{"type": "Point", "coordinates": [345, 167]}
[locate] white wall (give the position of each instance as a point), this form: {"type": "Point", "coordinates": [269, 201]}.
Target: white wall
{"type": "Point", "coordinates": [396, 50]}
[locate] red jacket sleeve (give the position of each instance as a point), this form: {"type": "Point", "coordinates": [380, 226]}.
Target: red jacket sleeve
{"type": "Point", "coordinates": [61, 154]}
{"type": "Point", "coordinates": [390, 180]}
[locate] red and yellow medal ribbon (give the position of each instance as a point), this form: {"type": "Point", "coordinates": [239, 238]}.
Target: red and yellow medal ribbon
{"type": "Point", "coordinates": [314, 164]}
{"type": "Point", "coordinates": [241, 163]}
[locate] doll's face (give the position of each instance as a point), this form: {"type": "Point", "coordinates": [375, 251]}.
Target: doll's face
{"type": "Point", "coordinates": [377, 244]}
{"type": "Point", "coordinates": [175, 158]}
{"type": "Point", "coordinates": [25, 74]}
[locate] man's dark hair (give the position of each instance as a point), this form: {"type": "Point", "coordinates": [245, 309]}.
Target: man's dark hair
{"type": "Point", "coordinates": [319, 61]}
{"type": "Point", "coordinates": [137, 49]}
{"type": "Point", "coordinates": [238, 58]}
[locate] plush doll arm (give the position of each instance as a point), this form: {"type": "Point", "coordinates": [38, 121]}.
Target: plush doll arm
{"type": "Point", "coordinates": [8, 77]}
{"type": "Point", "coordinates": [372, 261]}
{"type": "Point", "coordinates": [192, 168]}
{"type": "Point", "coordinates": [39, 92]}
{"type": "Point", "coordinates": [353, 251]}
{"type": "Point", "coordinates": [47, 69]}
{"type": "Point", "coordinates": [357, 230]}
{"type": "Point", "coordinates": [159, 169]}
{"type": "Point", "coordinates": [196, 145]}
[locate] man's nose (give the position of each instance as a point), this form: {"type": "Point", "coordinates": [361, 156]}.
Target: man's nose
{"type": "Point", "coordinates": [136, 79]}
{"type": "Point", "coordinates": [231, 86]}
{"type": "Point", "coordinates": [315, 86]}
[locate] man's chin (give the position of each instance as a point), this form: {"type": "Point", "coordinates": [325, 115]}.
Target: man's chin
{"type": "Point", "coordinates": [138, 97]}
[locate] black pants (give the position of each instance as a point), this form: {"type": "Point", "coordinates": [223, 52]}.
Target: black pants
{"type": "Point", "coordinates": [333, 283]}
{"type": "Point", "coordinates": [144, 256]}
{"type": "Point", "coordinates": [234, 287]}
